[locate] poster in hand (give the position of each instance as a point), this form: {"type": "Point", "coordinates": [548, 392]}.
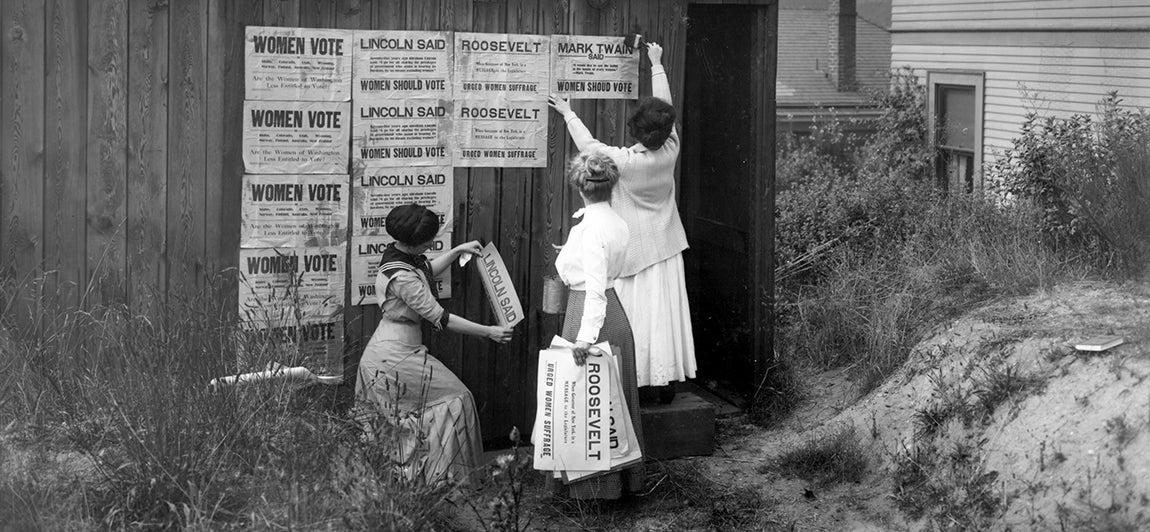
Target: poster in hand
{"type": "Point", "coordinates": [572, 420]}
{"type": "Point", "coordinates": [293, 211]}
{"type": "Point", "coordinates": [365, 253]}
{"type": "Point", "coordinates": [584, 66]}
{"type": "Point", "coordinates": [497, 283]}
{"type": "Point", "coordinates": [288, 64]}
{"type": "Point", "coordinates": [296, 137]}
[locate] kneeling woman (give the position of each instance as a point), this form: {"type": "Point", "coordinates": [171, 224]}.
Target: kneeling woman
{"type": "Point", "coordinates": [589, 263]}
{"type": "Point", "coordinates": [396, 373]}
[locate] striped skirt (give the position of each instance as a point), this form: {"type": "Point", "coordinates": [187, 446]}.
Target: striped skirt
{"type": "Point", "coordinates": [617, 332]}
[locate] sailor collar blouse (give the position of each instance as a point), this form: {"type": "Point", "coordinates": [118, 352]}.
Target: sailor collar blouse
{"type": "Point", "coordinates": [591, 260]}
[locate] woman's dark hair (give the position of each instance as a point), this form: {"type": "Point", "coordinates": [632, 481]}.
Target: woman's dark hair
{"type": "Point", "coordinates": [651, 122]}
{"type": "Point", "coordinates": [593, 174]}
{"type": "Point", "coordinates": [412, 224]}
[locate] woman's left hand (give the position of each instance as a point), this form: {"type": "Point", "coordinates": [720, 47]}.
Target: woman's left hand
{"type": "Point", "coordinates": [472, 247]}
{"type": "Point", "coordinates": [582, 350]}
{"type": "Point", "coordinates": [560, 105]}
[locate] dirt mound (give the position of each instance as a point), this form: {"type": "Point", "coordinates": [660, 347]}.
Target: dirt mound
{"type": "Point", "coordinates": [997, 422]}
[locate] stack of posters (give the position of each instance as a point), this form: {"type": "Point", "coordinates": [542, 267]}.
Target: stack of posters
{"type": "Point", "coordinates": [295, 191]}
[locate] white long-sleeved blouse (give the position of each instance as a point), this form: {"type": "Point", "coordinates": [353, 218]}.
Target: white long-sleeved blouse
{"type": "Point", "coordinates": [591, 260]}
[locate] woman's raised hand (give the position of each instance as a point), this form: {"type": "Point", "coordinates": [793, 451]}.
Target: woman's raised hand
{"type": "Point", "coordinates": [499, 334]}
{"type": "Point", "coordinates": [472, 247]}
{"type": "Point", "coordinates": [655, 53]}
{"type": "Point", "coordinates": [558, 104]}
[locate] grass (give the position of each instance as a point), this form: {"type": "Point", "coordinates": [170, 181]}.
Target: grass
{"type": "Point", "coordinates": [123, 397]}
{"type": "Point", "coordinates": [1001, 383]}
{"type": "Point", "coordinates": [834, 459]}
{"type": "Point", "coordinates": [953, 491]}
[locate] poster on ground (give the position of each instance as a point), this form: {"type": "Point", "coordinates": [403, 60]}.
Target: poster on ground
{"type": "Point", "coordinates": [293, 210]}
{"type": "Point", "coordinates": [376, 191]}
{"type": "Point", "coordinates": [500, 132]}
{"type": "Point", "coordinates": [283, 286]}
{"type": "Point", "coordinates": [584, 66]}
{"type": "Point", "coordinates": [414, 131]}
{"type": "Point", "coordinates": [283, 137]}
{"type": "Point", "coordinates": [298, 64]}
{"type": "Point", "coordinates": [365, 254]}
{"type": "Point", "coordinates": [402, 64]}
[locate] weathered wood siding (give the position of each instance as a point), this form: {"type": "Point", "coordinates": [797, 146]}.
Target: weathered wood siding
{"type": "Point", "coordinates": [1050, 56]}
{"type": "Point", "coordinates": [120, 153]}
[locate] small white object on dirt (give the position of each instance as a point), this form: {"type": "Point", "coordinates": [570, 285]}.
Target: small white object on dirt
{"type": "Point", "coordinates": [1099, 343]}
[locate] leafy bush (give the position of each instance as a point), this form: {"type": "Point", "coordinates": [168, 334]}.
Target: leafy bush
{"type": "Point", "coordinates": [1090, 176]}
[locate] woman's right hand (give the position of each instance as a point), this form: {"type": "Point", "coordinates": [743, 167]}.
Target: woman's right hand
{"type": "Point", "coordinates": [499, 334]}
{"type": "Point", "coordinates": [655, 53]}
{"type": "Point", "coordinates": [559, 104]}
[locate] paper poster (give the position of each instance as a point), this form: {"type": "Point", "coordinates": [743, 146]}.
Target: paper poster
{"type": "Point", "coordinates": [584, 66]}
{"type": "Point", "coordinates": [316, 343]}
{"type": "Point", "coordinates": [402, 64]}
{"type": "Point", "coordinates": [515, 67]}
{"type": "Point", "coordinates": [377, 190]}
{"type": "Point", "coordinates": [497, 283]}
{"type": "Point", "coordinates": [296, 137]}
{"type": "Point", "coordinates": [572, 421]}
{"type": "Point", "coordinates": [407, 132]}
{"type": "Point", "coordinates": [365, 254]}
{"type": "Point", "coordinates": [297, 64]}
{"type": "Point", "coordinates": [285, 286]}
{"type": "Point", "coordinates": [293, 211]}
{"type": "Point", "coordinates": [500, 132]}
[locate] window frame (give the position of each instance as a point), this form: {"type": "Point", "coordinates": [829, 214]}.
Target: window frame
{"type": "Point", "coordinates": [963, 78]}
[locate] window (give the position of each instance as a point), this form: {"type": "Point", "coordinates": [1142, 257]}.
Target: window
{"type": "Point", "coordinates": [955, 102]}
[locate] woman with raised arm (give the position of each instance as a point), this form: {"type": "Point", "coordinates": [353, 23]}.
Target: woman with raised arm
{"type": "Point", "coordinates": [652, 284]}
{"type": "Point", "coordinates": [396, 373]}
{"type": "Point", "coordinates": [589, 264]}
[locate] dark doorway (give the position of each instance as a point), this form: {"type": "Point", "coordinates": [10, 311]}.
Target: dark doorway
{"type": "Point", "coordinates": [721, 123]}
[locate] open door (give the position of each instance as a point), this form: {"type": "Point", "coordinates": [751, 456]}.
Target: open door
{"type": "Point", "coordinates": [727, 161]}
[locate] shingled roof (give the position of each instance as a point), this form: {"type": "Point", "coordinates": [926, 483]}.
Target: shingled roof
{"type": "Point", "coordinates": [802, 79]}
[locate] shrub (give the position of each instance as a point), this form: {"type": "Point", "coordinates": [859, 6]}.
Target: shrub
{"type": "Point", "coordinates": [835, 459]}
{"type": "Point", "coordinates": [1090, 176]}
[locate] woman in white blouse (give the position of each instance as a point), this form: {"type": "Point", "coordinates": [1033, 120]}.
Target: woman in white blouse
{"type": "Point", "coordinates": [589, 263]}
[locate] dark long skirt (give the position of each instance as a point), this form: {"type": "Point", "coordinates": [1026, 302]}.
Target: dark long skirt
{"type": "Point", "coordinates": [617, 332]}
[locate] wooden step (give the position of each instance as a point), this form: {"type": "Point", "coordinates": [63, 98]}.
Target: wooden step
{"type": "Point", "coordinates": [684, 427]}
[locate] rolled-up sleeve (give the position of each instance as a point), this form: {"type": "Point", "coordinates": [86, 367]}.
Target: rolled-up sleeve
{"type": "Point", "coordinates": [594, 263]}
{"type": "Point", "coordinates": [416, 295]}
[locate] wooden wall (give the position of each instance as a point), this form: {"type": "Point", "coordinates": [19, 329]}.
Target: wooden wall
{"type": "Point", "coordinates": [1054, 57]}
{"type": "Point", "coordinates": [120, 152]}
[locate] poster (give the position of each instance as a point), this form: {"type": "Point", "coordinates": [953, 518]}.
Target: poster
{"type": "Point", "coordinates": [572, 420]}
{"type": "Point", "coordinates": [285, 286]}
{"type": "Point", "coordinates": [497, 283]}
{"type": "Point", "coordinates": [585, 66]}
{"type": "Point", "coordinates": [297, 64]}
{"type": "Point", "coordinates": [293, 210]}
{"type": "Point", "coordinates": [515, 67]}
{"type": "Point", "coordinates": [402, 132]}
{"type": "Point", "coordinates": [296, 137]}
{"type": "Point", "coordinates": [377, 190]}
{"type": "Point", "coordinates": [402, 64]}
{"type": "Point", "coordinates": [365, 253]}
{"type": "Point", "coordinates": [501, 86]}
{"type": "Point", "coordinates": [500, 132]}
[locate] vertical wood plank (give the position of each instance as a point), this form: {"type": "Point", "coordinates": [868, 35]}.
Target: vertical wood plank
{"type": "Point", "coordinates": [147, 152]}
{"type": "Point", "coordinates": [22, 137]}
{"type": "Point", "coordinates": [281, 13]}
{"type": "Point", "coordinates": [763, 216]}
{"type": "Point", "coordinates": [65, 118]}
{"type": "Point", "coordinates": [107, 142]}
{"type": "Point", "coordinates": [224, 94]}
{"type": "Point", "coordinates": [388, 14]}
{"type": "Point", "coordinates": [317, 13]}
{"type": "Point", "coordinates": [186, 190]}
{"type": "Point", "coordinates": [479, 356]}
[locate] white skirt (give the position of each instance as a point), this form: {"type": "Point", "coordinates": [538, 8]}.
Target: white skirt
{"type": "Point", "coordinates": [655, 300]}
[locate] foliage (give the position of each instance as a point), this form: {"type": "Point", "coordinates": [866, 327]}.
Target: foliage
{"type": "Point", "coordinates": [124, 398]}
{"type": "Point", "coordinates": [954, 491]}
{"type": "Point", "coordinates": [837, 458]}
{"type": "Point", "coordinates": [1090, 176]}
